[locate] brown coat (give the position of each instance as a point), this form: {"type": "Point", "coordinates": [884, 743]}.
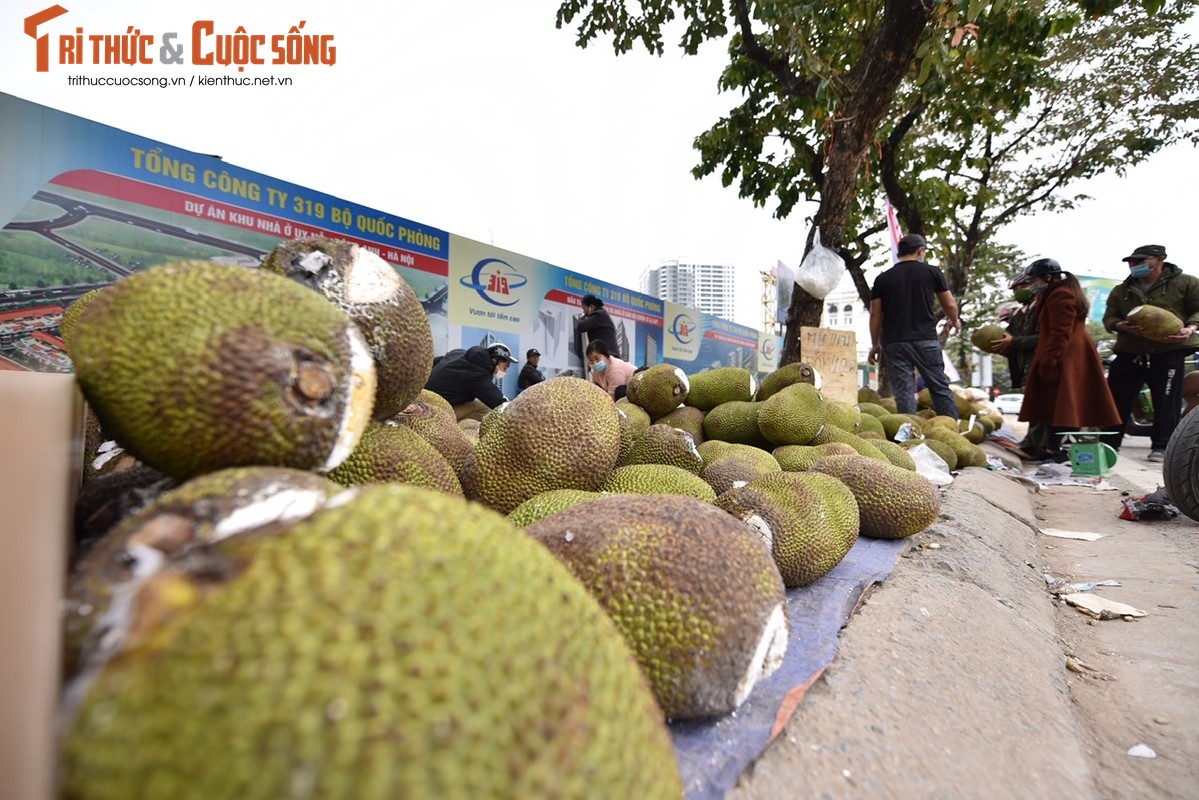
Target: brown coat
{"type": "Point", "coordinates": [1066, 388]}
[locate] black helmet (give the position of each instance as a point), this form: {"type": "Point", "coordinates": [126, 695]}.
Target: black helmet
{"type": "Point", "coordinates": [1042, 267]}
{"type": "Point", "coordinates": [500, 350]}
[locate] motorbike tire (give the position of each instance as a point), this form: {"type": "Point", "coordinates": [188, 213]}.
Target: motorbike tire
{"type": "Point", "coordinates": [1180, 470]}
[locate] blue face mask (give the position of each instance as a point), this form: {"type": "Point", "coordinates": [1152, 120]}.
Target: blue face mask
{"type": "Point", "coordinates": [1139, 271]}
{"type": "Point", "coordinates": [600, 366]}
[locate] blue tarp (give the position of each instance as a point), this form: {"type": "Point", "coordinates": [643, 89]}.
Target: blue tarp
{"type": "Point", "coordinates": [712, 754]}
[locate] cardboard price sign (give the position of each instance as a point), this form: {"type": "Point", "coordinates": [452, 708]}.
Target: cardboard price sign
{"type": "Point", "coordinates": [834, 354]}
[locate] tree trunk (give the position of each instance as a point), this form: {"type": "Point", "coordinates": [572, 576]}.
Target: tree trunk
{"type": "Point", "coordinates": [873, 82]}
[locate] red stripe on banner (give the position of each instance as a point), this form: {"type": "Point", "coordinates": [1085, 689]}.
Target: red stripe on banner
{"type": "Point", "coordinates": [147, 194]}
{"type": "Point", "coordinates": [730, 339]}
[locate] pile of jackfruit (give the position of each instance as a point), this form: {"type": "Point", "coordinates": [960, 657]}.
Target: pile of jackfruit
{"type": "Point", "coordinates": [298, 575]}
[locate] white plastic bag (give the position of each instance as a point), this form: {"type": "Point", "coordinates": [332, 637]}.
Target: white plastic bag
{"type": "Point", "coordinates": [821, 270]}
{"type": "Point", "coordinates": [931, 465]}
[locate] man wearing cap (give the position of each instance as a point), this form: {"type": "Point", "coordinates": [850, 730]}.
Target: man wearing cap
{"type": "Point", "coordinates": [529, 374]}
{"type": "Point", "coordinates": [1151, 281]}
{"type": "Point", "coordinates": [467, 379]}
{"type": "Point", "coordinates": [903, 327]}
{"type": "Point", "coordinates": [597, 324]}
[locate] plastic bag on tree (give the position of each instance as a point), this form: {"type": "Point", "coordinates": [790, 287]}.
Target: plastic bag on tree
{"type": "Point", "coordinates": [821, 270]}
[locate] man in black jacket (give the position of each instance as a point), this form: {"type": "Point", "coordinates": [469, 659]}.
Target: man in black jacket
{"type": "Point", "coordinates": [529, 374]}
{"type": "Point", "coordinates": [597, 325]}
{"type": "Point", "coordinates": [466, 379]}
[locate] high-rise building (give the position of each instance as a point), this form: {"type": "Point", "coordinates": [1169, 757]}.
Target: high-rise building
{"type": "Point", "coordinates": [705, 287]}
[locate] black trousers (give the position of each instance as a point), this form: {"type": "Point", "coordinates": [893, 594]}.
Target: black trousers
{"type": "Point", "coordinates": [1163, 372]}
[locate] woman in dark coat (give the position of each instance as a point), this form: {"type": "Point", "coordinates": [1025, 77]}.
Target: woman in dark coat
{"type": "Point", "coordinates": [1065, 389]}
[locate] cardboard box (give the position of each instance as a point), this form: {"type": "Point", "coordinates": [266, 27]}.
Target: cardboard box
{"type": "Point", "coordinates": [41, 438]}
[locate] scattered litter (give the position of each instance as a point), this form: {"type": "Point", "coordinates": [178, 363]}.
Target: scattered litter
{"type": "Point", "coordinates": [1162, 720]}
{"type": "Point", "coordinates": [930, 465]}
{"type": "Point", "coordinates": [1141, 751]}
{"type": "Point", "coordinates": [1050, 474]}
{"type": "Point", "coordinates": [930, 545]}
{"type": "Point", "coordinates": [1089, 585]}
{"type": "Point", "coordinates": [1060, 585]}
{"type": "Point", "coordinates": [1083, 668]}
{"type": "Point", "coordinates": [1101, 608]}
{"type": "Point", "coordinates": [1086, 536]}
{"type": "Point", "coordinates": [1152, 506]}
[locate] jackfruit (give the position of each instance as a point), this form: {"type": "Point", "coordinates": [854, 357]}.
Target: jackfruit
{"type": "Point", "coordinates": [895, 454]}
{"type": "Point", "coordinates": [663, 444]}
{"type": "Point", "coordinates": [893, 422]}
{"type": "Point", "coordinates": [737, 468]}
{"type": "Point", "coordinates": [698, 598]}
{"type": "Point", "coordinates": [107, 499]}
{"type": "Point", "coordinates": [1157, 322]}
{"type": "Point", "coordinates": [66, 326]}
{"type": "Point", "coordinates": [380, 302]}
{"type": "Point", "coordinates": [438, 428]}
{"type": "Point", "coordinates": [364, 653]}
{"type": "Point", "coordinates": [972, 433]}
{"type": "Point", "coordinates": [983, 337]}
{"type": "Point", "coordinates": [942, 449]}
{"type": "Point", "coordinates": [657, 479]}
{"type": "Point", "coordinates": [434, 400]}
{"type": "Point", "coordinates": [396, 454]}
{"type": "Point", "coordinates": [800, 457]}
{"type": "Point", "coordinates": [713, 449]}
{"type": "Point", "coordinates": [870, 424]}
{"type": "Point", "coordinates": [712, 387]}
{"type": "Point", "coordinates": [845, 416]}
{"type": "Point", "coordinates": [205, 509]}
{"type": "Point", "coordinates": [195, 367]}
{"type": "Point", "coordinates": [787, 375]}
{"type": "Point", "coordinates": [736, 422]}
{"type": "Point", "coordinates": [551, 502]}
{"type": "Point", "coordinates": [831, 433]}
{"type": "Point", "coordinates": [968, 454]}
{"type": "Point", "coordinates": [872, 409]}
{"type": "Point", "coordinates": [659, 389]}
{"type": "Point", "coordinates": [793, 415]}
{"type": "Point", "coordinates": [868, 395]}
{"type": "Point", "coordinates": [688, 418]}
{"type": "Point", "coordinates": [889, 404]}
{"type": "Point", "coordinates": [893, 502]}
{"type": "Point", "coordinates": [563, 433]}
{"type": "Point", "coordinates": [807, 520]}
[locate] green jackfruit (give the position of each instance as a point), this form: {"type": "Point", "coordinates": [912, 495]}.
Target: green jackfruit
{"type": "Point", "coordinates": [736, 422]}
{"type": "Point", "coordinates": [786, 375]}
{"type": "Point", "coordinates": [831, 433]}
{"type": "Point", "coordinates": [688, 418]}
{"type": "Point", "coordinates": [439, 429]}
{"type": "Point", "coordinates": [984, 336]}
{"type": "Point", "coordinates": [895, 454]}
{"type": "Point", "coordinates": [203, 510]}
{"type": "Point", "coordinates": [663, 444]}
{"type": "Point", "coordinates": [712, 387]}
{"type": "Point", "coordinates": [563, 433]}
{"type": "Point", "coordinates": [808, 520]}
{"type": "Point", "coordinates": [872, 409]}
{"type": "Point", "coordinates": [1157, 322]}
{"type": "Point", "coordinates": [396, 454]}
{"type": "Point", "coordinates": [845, 416]}
{"type": "Point", "coordinates": [868, 395]}
{"type": "Point", "coordinates": [800, 457]}
{"type": "Point", "coordinates": [66, 326]}
{"type": "Point", "coordinates": [737, 468]}
{"type": "Point", "coordinates": [637, 415]}
{"type": "Point", "coordinates": [713, 449]}
{"type": "Point", "coordinates": [551, 502]}
{"type": "Point", "coordinates": [195, 367]}
{"type": "Point", "coordinates": [380, 302]}
{"type": "Point", "coordinates": [942, 449]}
{"type": "Point", "coordinates": [893, 502]}
{"type": "Point", "coordinates": [657, 479]}
{"type": "Point", "coordinates": [870, 424]}
{"type": "Point", "coordinates": [793, 415]}
{"type": "Point", "coordinates": [364, 653]}
{"type": "Point", "coordinates": [659, 390]}
{"type": "Point", "coordinates": [699, 601]}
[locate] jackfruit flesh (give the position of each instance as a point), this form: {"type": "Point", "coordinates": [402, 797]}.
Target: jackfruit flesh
{"type": "Point", "coordinates": [194, 367]}
{"type": "Point", "coordinates": [365, 653]}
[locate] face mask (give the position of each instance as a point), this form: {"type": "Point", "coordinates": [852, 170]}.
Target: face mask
{"type": "Point", "coordinates": [499, 373]}
{"type": "Point", "coordinates": [1023, 295]}
{"type": "Point", "coordinates": [1139, 271]}
{"type": "Point", "coordinates": [600, 366]}
{"type": "Point", "coordinates": [1037, 288]}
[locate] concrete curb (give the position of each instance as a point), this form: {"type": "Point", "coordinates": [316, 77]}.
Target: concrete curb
{"type": "Point", "coordinates": [950, 682]}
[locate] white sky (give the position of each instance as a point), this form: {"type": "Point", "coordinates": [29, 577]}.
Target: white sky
{"type": "Point", "coordinates": [481, 118]}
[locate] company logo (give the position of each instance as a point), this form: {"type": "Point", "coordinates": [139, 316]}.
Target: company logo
{"type": "Point", "coordinates": [494, 280]}
{"type": "Point", "coordinates": [209, 45]}
{"type": "Point", "coordinates": [682, 328]}
{"type": "Point", "coordinates": [768, 348]}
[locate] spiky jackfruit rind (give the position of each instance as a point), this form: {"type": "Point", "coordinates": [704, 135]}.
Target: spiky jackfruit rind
{"type": "Point", "coordinates": [695, 593]}
{"type": "Point", "coordinates": [396, 454]}
{"type": "Point", "coordinates": [195, 367]}
{"type": "Point", "coordinates": [983, 337]}
{"type": "Point", "coordinates": [800, 457]}
{"type": "Point", "coordinates": [786, 375]}
{"type": "Point", "coordinates": [1157, 322]}
{"type": "Point", "coordinates": [66, 326]}
{"type": "Point", "coordinates": [812, 517]}
{"type": "Point", "coordinates": [380, 302]}
{"type": "Point", "coordinates": [663, 444]}
{"type": "Point", "coordinates": [793, 415]}
{"type": "Point", "coordinates": [736, 468]}
{"type": "Point", "coordinates": [563, 433]}
{"type": "Point", "coordinates": [543, 505]}
{"type": "Point", "coordinates": [712, 387]}
{"type": "Point", "coordinates": [365, 653]}
{"type": "Point", "coordinates": [657, 479]}
{"type": "Point", "coordinates": [438, 428]}
{"type": "Point", "coordinates": [659, 389]}
{"type": "Point", "coordinates": [893, 503]}
{"type": "Point", "coordinates": [736, 422]}
{"type": "Point", "coordinates": [688, 418]}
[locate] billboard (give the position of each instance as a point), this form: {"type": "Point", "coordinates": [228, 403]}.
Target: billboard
{"type": "Point", "coordinates": [84, 204]}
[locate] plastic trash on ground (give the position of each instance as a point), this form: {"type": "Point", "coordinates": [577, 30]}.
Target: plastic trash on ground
{"type": "Point", "coordinates": [1152, 506]}
{"type": "Point", "coordinates": [931, 465]}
